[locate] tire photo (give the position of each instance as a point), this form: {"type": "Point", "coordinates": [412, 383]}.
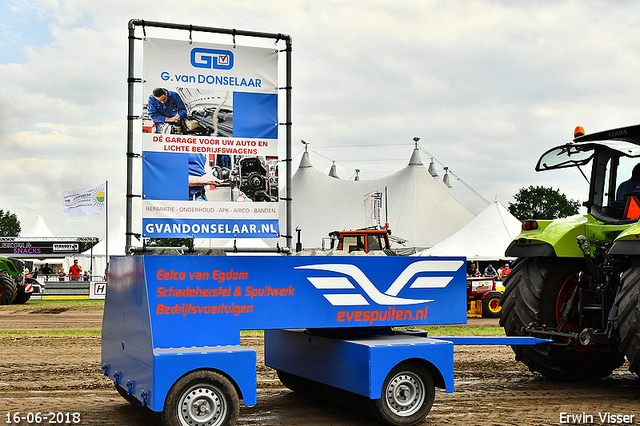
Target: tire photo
{"type": "Point", "coordinates": [534, 294]}
{"type": "Point", "coordinates": [201, 397]}
{"type": "Point", "coordinates": [627, 323]}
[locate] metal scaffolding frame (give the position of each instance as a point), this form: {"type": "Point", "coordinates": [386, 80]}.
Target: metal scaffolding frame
{"type": "Point", "coordinates": [132, 80]}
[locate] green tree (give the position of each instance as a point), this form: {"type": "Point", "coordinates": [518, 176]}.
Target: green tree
{"type": "Point", "coordinates": [538, 202]}
{"type": "Point", "coordinates": [9, 224]}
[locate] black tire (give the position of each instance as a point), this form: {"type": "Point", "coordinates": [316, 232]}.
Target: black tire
{"type": "Point", "coordinates": [491, 307]}
{"type": "Point", "coordinates": [407, 395]}
{"type": "Point", "coordinates": [201, 397]}
{"type": "Point", "coordinates": [532, 296]}
{"type": "Point", "coordinates": [21, 298]}
{"type": "Point", "coordinates": [284, 378]}
{"type": "Point", "coordinates": [627, 323]}
{"type": "Point", "coordinates": [8, 289]}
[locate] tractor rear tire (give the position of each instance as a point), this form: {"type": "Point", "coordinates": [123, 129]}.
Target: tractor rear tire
{"type": "Point", "coordinates": [627, 323]}
{"type": "Point", "coordinates": [532, 296]}
{"type": "Point", "coordinates": [8, 289]}
{"type": "Point", "coordinates": [491, 307]}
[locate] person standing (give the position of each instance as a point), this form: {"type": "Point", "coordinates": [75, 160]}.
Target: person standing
{"type": "Point", "coordinates": [75, 271]}
{"type": "Point", "coordinates": [46, 269]}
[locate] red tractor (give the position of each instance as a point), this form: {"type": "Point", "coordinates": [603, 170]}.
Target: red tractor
{"type": "Point", "coordinates": [365, 240]}
{"type": "Point", "coordinates": [483, 297]}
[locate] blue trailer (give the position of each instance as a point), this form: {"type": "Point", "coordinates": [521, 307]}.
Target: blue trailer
{"type": "Point", "coordinates": [171, 331]}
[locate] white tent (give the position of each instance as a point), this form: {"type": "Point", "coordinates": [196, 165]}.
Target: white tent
{"type": "Point", "coordinates": [484, 238]}
{"type": "Point", "coordinates": [421, 209]}
{"type": "Point", "coordinates": [94, 259]}
{"type": "Point", "coordinates": [39, 229]}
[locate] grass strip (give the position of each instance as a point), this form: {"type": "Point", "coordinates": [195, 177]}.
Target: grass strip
{"type": "Point", "coordinates": [49, 333]}
{"type": "Point", "coordinates": [55, 305]}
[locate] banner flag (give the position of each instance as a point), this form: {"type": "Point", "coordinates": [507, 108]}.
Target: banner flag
{"type": "Point", "coordinates": [83, 201]}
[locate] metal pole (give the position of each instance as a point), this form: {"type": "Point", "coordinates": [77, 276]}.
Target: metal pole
{"type": "Point", "coordinates": [289, 160]}
{"type": "Point", "coordinates": [130, 154]}
{"type": "Point", "coordinates": [130, 118]}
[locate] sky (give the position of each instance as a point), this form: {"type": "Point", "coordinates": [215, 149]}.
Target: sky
{"type": "Point", "coordinates": [488, 86]}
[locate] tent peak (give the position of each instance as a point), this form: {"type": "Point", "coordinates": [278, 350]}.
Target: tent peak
{"type": "Point", "coordinates": [415, 158]}
{"type": "Point", "coordinates": [305, 161]}
{"type": "Point", "coordinates": [333, 172]}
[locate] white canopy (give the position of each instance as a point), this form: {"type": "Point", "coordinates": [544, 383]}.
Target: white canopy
{"type": "Point", "coordinates": [484, 238]}
{"type": "Point", "coordinates": [421, 209]}
{"type": "Point", "coordinates": [94, 259]}
{"type": "Point", "coordinates": [39, 229]}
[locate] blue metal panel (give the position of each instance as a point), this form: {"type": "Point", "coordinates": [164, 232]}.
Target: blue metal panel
{"type": "Point", "coordinates": [235, 293]}
{"type": "Point", "coordinates": [494, 340]}
{"type": "Point", "coordinates": [236, 362]}
{"type": "Point", "coordinates": [127, 353]}
{"type": "Point", "coordinates": [359, 365]}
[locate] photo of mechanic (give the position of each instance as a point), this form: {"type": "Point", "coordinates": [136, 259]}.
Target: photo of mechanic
{"type": "Point", "coordinates": [165, 106]}
{"type": "Point", "coordinates": [198, 178]}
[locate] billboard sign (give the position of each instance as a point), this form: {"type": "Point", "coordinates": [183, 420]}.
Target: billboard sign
{"type": "Point", "coordinates": [209, 140]}
{"type": "Point", "coordinates": [29, 248]}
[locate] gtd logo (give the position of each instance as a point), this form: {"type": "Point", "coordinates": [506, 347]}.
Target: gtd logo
{"type": "Point", "coordinates": [212, 59]}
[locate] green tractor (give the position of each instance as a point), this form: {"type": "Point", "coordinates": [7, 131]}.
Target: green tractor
{"type": "Point", "coordinates": [13, 288]}
{"type": "Point", "coordinates": [577, 279]}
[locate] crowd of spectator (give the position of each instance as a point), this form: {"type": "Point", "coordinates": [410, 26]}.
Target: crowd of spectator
{"type": "Point", "coordinates": [47, 273]}
{"type": "Point", "coordinates": [473, 270]}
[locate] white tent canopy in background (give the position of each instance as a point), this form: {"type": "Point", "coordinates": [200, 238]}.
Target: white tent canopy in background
{"type": "Point", "coordinates": [421, 209]}
{"type": "Point", "coordinates": [94, 259]}
{"type": "Point", "coordinates": [485, 238]}
{"type": "Point", "coordinates": [39, 229]}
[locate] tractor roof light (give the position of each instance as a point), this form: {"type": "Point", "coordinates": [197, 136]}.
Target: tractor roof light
{"type": "Point", "coordinates": [579, 131]}
{"type": "Point", "coordinates": [529, 225]}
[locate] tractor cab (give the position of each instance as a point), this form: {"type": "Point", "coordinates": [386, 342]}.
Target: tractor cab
{"type": "Point", "coordinates": [366, 240]}
{"type": "Point", "coordinates": [612, 156]}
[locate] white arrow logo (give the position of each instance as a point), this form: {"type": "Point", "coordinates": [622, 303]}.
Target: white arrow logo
{"type": "Point", "coordinates": [389, 296]}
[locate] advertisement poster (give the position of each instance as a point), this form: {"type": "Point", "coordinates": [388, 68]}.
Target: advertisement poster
{"type": "Point", "coordinates": [209, 140]}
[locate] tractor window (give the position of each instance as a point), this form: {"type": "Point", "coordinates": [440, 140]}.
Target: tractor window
{"type": "Point", "coordinates": [353, 243]}
{"type": "Point", "coordinates": [623, 175]}
{"type": "Point", "coordinates": [374, 242]}
{"type": "Point", "coordinates": [614, 181]}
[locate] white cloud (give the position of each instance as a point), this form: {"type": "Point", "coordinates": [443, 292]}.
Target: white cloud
{"type": "Point", "coordinates": [487, 85]}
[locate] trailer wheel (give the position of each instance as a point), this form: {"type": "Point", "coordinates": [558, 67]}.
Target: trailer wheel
{"type": "Point", "coordinates": [627, 324]}
{"type": "Point", "coordinates": [8, 289]}
{"type": "Point", "coordinates": [202, 397]}
{"type": "Point", "coordinates": [535, 292]}
{"type": "Point", "coordinates": [491, 307]}
{"type": "Point", "coordinates": [407, 395]}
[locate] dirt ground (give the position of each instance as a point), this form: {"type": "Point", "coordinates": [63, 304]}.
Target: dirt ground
{"type": "Point", "coordinates": [62, 375]}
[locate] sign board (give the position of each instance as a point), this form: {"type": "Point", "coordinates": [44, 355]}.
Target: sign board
{"type": "Point", "coordinates": [31, 248]}
{"type": "Point", "coordinates": [209, 140]}
{"type": "Point", "coordinates": [229, 294]}
{"type": "Point", "coordinates": [97, 289]}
